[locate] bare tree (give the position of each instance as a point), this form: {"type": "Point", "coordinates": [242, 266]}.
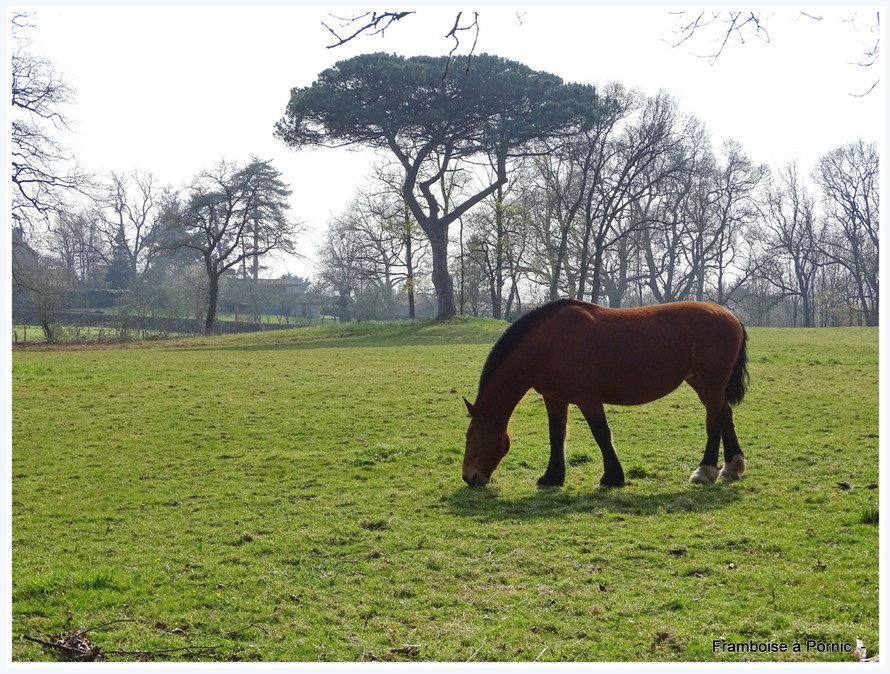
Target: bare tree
{"type": "Point", "coordinates": [39, 98]}
{"type": "Point", "coordinates": [720, 28]}
{"type": "Point", "coordinates": [233, 214]}
{"type": "Point", "coordinates": [77, 244]}
{"type": "Point", "coordinates": [546, 225]}
{"type": "Point", "coordinates": [699, 237]}
{"type": "Point", "coordinates": [374, 252]}
{"type": "Point", "coordinates": [734, 209]}
{"type": "Point", "coordinates": [130, 207]}
{"type": "Point", "coordinates": [790, 242]}
{"type": "Point", "coordinates": [496, 247]}
{"type": "Point", "coordinates": [339, 260]}
{"type": "Point", "coordinates": [556, 207]}
{"type": "Point", "coordinates": [850, 180]}
{"type": "Point", "coordinates": [569, 174]}
{"type": "Point", "coordinates": [671, 242]}
{"type": "Point", "coordinates": [395, 236]}
{"type": "Point", "coordinates": [648, 153]}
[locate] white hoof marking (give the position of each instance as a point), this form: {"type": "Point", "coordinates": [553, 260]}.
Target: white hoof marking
{"type": "Point", "coordinates": [734, 469]}
{"type": "Point", "coordinates": [704, 475]}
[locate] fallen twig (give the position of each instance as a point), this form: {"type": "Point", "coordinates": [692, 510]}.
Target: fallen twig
{"type": "Point", "coordinates": [76, 647]}
{"type": "Point", "coordinates": [73, 647]}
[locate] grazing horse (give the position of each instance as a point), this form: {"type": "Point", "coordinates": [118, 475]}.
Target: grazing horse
{"type": "Point", "coordinates": [574, 352]}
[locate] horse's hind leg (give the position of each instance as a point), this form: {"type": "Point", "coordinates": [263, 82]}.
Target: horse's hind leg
{"type": "Point", "coordinates": [557, 413]}
{"type": "Point", "coordinates": [707, 472]}
{"type": "Point", "coordinates": [714, 403]}
{"type": "Point", "coordinates": [734, 460]}
{"type": "Point", "coordinates": [613, 473]}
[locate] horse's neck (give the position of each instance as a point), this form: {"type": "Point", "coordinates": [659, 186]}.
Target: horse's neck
{"type": "Point", "coordinates": [502, 394]}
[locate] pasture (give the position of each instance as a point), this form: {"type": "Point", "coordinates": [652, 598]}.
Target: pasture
{"type": "Point", "coordinates": [297, 496]}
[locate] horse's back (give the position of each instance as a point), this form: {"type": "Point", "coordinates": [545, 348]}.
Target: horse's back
{"type": "Point", "coordinates": [660, 323]}
{"type": "Point", "coordinates": [635, 355]}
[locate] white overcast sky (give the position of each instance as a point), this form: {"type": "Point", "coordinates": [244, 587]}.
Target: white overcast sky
{"type": "Point", "coordinates": [172, 89]}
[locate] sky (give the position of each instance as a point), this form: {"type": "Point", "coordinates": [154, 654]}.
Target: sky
{"type": "Point", "coordinates": [173, 89]}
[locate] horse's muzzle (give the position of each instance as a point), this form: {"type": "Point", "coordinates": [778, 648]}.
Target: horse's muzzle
{"type": "Point", "coordinates": [475, 479]}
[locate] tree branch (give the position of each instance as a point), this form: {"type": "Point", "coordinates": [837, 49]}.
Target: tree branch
{"type": "Point", "coordinates": [376, 25]}
{"type": "Point", "coordinates": [453, 35]}
{"type": "Point", "coordinates": [736, 23]}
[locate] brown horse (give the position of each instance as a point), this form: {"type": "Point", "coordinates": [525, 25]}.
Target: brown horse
{"type": "Point", "coordinates": [574, 352]}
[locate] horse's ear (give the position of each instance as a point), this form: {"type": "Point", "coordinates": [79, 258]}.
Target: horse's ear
{"type": "Point", "coordinates": [470, 408]}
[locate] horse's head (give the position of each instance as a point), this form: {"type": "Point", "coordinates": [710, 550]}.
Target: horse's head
{"type": "Point", "coordinates": [486, 446]}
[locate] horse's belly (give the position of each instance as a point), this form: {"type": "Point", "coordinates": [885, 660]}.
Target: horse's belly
{"type": "Point", "coordinates": [636, 386]}
{"type": "Point", "coordinates": [639, 396]}
{"type": "Point", "coordinates": [624, 388]}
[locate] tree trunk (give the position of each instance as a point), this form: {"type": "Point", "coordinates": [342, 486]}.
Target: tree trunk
{"type": "Point", "coordinates": [409, 263]}
{"type": "Point", "coordinates": [255, 260]}
{"type": "Point", "coordinates": [441, 277]}
{"type": "Point", "coordinates": [597, 272]}
{"type": "Point", "coordinates": [561, 253]}
{"type": "Point", "coordinates": [497, 286]}
{"type": "Point", "coordinates": [213, 298]}
{"type": "Point", "coordinates": [411, 310]}
{"type": "Point", "coordinates": [49, 332]}
{"type": "Point", "coordinates": [508, 310]}
{"type": "Point", "coordinates": [872, 313]}
{"type": "Point", "coordinates": [345, 314]}
{"type": "Point", "coordinates": [809, 315]}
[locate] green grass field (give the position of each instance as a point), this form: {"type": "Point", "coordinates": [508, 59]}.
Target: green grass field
{"type": "Point", "coordinates": [296, 496]}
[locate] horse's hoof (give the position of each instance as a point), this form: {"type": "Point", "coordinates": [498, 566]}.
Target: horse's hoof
{"type": "Point", "coordinates": [547, 483]}
{"type": "Point", "coordinates": [734, 470]}
{"type": "Point", "coordinates": [611, 482]}
{"type": "Point", "coordinates": [704, 475]}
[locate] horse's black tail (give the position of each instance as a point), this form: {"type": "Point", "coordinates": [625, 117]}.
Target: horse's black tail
{"type": "Point", "coordinates": [738, 381]}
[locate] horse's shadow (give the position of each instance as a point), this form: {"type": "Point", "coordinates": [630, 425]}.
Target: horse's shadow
{"type": "Point", "coordinates": [487, 503]}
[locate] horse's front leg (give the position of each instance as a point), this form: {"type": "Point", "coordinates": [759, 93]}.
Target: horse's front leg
{"type": "Point", "coordinates": [557, 413]}
{"type": "Point", "coordinates": [613, 473]}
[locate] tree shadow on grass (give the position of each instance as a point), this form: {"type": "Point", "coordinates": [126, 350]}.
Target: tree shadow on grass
{"type": "Point", "coordinates": [487, 503]}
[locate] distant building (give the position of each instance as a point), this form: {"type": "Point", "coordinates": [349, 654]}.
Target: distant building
{"type": "Point", "coordinates": [287, 297]}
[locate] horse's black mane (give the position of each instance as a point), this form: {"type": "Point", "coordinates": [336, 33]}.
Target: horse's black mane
{"type": "Point", "coordinates": [512, 336]}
